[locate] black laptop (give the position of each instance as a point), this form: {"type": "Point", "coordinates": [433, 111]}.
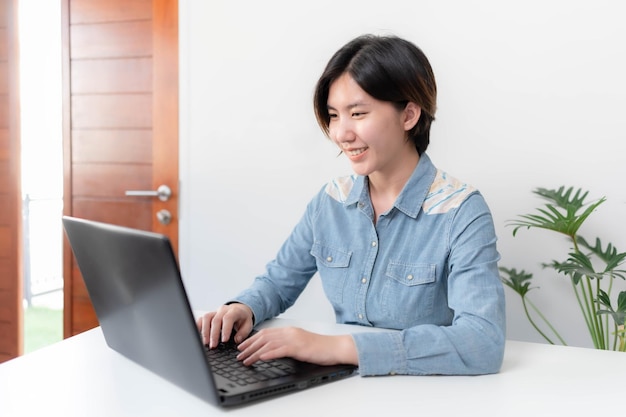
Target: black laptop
{"type": "Point", "coordinates": [135, 286]}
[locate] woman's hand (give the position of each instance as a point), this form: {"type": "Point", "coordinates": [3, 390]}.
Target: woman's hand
{"type": "Point", "coordinates": [297, 343]}
{"type": "Point", "coordinates": [218, 326]}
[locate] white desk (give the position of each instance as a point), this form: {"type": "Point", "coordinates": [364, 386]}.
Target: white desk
{"type": "Point", "coordinates": [81, 376]}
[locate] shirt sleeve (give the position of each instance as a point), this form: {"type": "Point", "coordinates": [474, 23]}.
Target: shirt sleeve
{"type": "Point", "coordinates": [474, 342]}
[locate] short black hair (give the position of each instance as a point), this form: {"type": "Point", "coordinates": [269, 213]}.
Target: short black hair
{"type": "Point", "coordinates": [387, 68]}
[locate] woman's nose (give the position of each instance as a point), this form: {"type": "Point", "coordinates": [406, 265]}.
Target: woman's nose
{"type": "Point", "coordinates": [342, 133]}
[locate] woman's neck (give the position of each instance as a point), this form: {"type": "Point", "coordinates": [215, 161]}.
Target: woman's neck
{"type": "Point", "coordinates": [385, 187]}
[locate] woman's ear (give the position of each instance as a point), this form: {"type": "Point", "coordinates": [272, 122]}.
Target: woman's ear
{"type": "Point", "coordinates": [412, 114]}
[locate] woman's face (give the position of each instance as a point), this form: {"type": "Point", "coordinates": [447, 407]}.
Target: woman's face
{"type": "Point", "coordinates": [371, 133]}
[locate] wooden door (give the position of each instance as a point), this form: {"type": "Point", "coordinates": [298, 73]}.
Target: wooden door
{"type": "Point", "coordinates": [11, 317]}
{"type": "Point", "coordinates": [120, 123]}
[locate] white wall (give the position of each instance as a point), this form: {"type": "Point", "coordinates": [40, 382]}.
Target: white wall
{"type": "Point", "coordinates": [531, 94]}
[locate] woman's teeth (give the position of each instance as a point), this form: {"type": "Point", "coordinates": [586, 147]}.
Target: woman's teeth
{"type": "Point", "coordinates": [356, 152]}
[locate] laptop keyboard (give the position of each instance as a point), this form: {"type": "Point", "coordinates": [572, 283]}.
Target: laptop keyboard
{"type": "Point", "coordinates": [223, 361]}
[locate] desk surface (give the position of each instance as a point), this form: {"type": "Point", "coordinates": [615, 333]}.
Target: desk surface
{"type": "Point", "coordinates": [81, 376]}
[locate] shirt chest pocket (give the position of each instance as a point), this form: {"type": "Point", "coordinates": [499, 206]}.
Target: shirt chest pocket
{"type": "Point", "coordinates": [409, 291]}
{"type": "Point", "coordinates": [332, 265]}
{"type": "Point", "coordinates": [330, 257]}
{"type": "Point", "coordinates": [411, 275]}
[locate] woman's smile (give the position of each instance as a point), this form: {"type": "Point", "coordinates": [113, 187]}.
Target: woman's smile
{"type": "Point", "coordinates": [356, 152]}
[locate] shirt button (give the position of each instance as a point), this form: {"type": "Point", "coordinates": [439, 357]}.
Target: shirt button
{"type": "Point", "coordinates": [361, 316]}
{"type": "Point", "coordinates": [329, 259]}
{"type": "Point", "coordinates": [373, 244]}
{"type": "Point", "coordinates": [363, 280]}
{"type": "Point", "coordinates": [409, 277]}
{"type": "Point", "coordinates": [392, 373]}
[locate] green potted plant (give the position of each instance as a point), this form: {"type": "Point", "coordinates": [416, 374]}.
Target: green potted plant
{"type": "Point", "coordinates": [591, 268]}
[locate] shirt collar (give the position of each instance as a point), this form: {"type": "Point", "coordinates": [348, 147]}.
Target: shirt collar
{"type": "Point", "coordinates": [413, 194]}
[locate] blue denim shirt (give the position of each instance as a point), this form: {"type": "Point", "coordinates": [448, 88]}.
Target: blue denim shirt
{"type": "Point", "coordinates": [427, 267]}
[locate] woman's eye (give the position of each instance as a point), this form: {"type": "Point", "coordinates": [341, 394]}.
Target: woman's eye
{"type": "Point", "coordinates": [332, 116]}
{"type": "Point", "coordinates": [357, 114]}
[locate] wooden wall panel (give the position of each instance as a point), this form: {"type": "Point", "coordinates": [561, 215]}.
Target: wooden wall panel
{"type": "Point", "coordinates": [11, 315]}
{"type": "Point", "coordinates": [5, 178]}
{"type": "Point", "coordinates": [88, 11]}
{"type": "Point", "coordinates": [7, 332]}
{"type": "Point", "coordinates": [5, 204]}
{"type": "Point", "coordinates": [4, 78]}
{"type": "Point", "coordinates": [120, 146]}
{"type": "Point", "coordinates": [86, 180]}
{"type": "Point", "coordinates": [6, 243]}
{"type": "Point", "coordinates": [131, 75]}
{"type": "Point", "coordinates": [4, 110]}
{"type": "Point", "coordinates": [112, 111]}
{"type": "Point", "coordinates": [6, 235]}
{"type": "Point", "coordinates": [6, 303]}
{"type": "Point", "coordinates": [166, 109]}
{"type": "Point", "coordinates": [135, 213]}
{"type": "Point", "coordinates": [4, 42]}
{"type": "Point", "coordinates": [111, 40]}
{"type": "Point", "coordinates": [4, 143]}
{"type": "Point", "coordinates": [83, 314]}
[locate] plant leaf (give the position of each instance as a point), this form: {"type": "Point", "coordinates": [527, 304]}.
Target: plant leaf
{"type": "Point", "coordinates": [618, 315]}
{"type": "Point", "coordinates": [517, 281]}
{"type": "Point", "coordinates": [621, 302]}
{"type": "Point", "coordinates": [561, 197]}
{"type": "Point", "coordinates": [603, 298]}
{"type": "Point", "coordinates": [577, 265]}
{"type": "Point", "coordinates": [610, 256]}
{"type": "Point", "coordinates": [552, 218]}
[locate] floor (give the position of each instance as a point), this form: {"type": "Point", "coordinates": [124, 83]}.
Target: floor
{"type": "Point", "coordinates": [43, 321]}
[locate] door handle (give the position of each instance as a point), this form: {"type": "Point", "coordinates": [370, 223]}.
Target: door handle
{"type": "Point", "coordinates": [163, 193]}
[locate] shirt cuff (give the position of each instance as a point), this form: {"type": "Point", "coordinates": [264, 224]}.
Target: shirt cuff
{"type": "Point", "coordinates": [380, 353]}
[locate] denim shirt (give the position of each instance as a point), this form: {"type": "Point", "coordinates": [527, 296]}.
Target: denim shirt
{"type": "Point", "coordinates": [427, 267]}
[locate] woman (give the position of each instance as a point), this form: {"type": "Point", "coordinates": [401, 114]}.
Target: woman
{"type": "Point", "coordinates": [400, 244]}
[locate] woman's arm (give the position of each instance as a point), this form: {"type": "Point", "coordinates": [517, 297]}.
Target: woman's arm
{"type": "Point", "coordinates": [473, 343]}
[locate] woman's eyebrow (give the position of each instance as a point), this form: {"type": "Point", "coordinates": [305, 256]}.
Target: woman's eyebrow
{"type": "Point", "coordinates": [349, 106]}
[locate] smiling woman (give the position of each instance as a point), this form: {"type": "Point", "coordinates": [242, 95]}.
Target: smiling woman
{"type": "Point", "coordinates": [409, 248]}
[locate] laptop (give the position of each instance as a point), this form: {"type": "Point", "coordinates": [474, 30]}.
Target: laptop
{"type": "Point", "coordinates": [136, 289]}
